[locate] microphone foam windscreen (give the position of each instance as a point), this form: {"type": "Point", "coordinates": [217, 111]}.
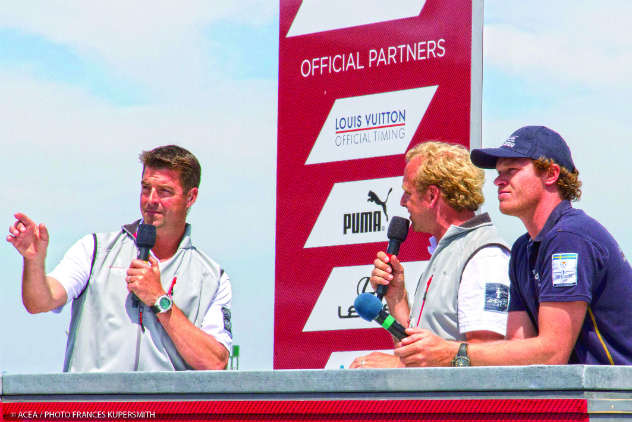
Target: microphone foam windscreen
{"type": "Point", "coordinates": [398, 228]}
{"type": "Point", "coordinates": [146, 236]}
{"type": "Point", "coordinates": [367, 306]}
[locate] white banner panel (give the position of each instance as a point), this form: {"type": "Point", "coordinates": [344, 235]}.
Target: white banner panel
{"type": "Point", "coordinates": [334, 308]}
{"type": "Point", "coordinates": [374, 125]}
{"type": "Point", "coordinates": [358, 212]}
{"type": "Point", "coordinates": [325, 15]}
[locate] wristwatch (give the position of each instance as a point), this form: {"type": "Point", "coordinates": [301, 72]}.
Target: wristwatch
{"type": "Point", "coordinates": [162, 305]}
{"type": "Point", "coordinates": [461, 358]}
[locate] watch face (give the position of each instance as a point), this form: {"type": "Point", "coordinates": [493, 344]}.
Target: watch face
{"type": "Point", "coordinates": [461, 361]}
{"type": "Point", "coordinates": [164, 302]}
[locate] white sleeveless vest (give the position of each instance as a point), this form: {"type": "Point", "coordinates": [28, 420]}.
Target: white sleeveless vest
{"type": "Point", "coordinates": [454, 250]}
{"type": "Point", "coordinates": [105, 334]}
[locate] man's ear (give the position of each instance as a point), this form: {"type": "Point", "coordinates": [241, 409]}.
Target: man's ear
{"type": "Point", "coordinates": [191, 196]}
{"type": "Point", "coordinates": [432, 194]}
{"type": "Point", "coordinates": [551, 175]}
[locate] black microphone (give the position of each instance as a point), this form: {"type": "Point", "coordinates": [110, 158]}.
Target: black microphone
{"type": "Point", "coordinates": [370, 308]}
{"type": "Point", "coordinates": [397, 232]}
{"type": "Point", "coordinates": [145, 240]}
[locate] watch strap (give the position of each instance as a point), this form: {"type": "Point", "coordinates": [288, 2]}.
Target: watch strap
{"type": "Point", "coordinates": [463, 350]}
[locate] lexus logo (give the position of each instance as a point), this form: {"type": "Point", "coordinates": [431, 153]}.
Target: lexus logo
{"type": "Point", "coordinates": [364, 286]}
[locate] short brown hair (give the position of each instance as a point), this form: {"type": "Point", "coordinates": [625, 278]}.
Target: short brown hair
{"type": "Point", "coordinates": [448, 166]}
{"type": "Point", "coordinates": [568, 182]}
{"type": "Point", "coordinates": [176, 158]}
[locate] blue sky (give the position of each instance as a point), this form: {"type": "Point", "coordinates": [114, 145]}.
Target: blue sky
{"type": "Point", "coordinates": [42, 59]}
{"type": "Point", "coordinates": [85, 90]}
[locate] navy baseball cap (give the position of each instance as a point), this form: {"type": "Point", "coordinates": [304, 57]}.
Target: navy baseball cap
{"type": "Point", "coordinates": [527, 142]}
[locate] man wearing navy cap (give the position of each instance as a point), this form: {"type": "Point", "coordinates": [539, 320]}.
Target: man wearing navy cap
{"type": "Point", "coordinates": [571, 285]}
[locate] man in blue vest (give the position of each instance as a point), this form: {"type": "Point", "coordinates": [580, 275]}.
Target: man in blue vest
{"type": "Point", "coordinates": [571, 285]}
{"type": "Point", "coordinates": [171, 313]}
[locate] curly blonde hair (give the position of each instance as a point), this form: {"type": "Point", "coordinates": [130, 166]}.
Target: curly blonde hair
{"type": "Point", "coordinates": [448, 166]}
{"type": "Point", "coordinates": [568, 182]}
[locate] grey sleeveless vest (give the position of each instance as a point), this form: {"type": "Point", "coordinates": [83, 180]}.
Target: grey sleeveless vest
{"type": "Point", "coordinates": [454, 250]}
{"type": "Point", "coordinates": [105, 334]}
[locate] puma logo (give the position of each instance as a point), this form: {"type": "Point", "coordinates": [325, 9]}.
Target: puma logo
{"type": "Point", "coordinates": [376, 199]}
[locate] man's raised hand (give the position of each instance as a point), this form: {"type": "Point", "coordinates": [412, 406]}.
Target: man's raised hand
{"type": "Point", "coordinates": [29, 238]}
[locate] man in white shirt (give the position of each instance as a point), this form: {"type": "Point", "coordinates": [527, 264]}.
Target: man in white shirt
{"type": "Point", "coordinates": [464, 292]}
{"type": "Point", "coordinates": [169, 313]}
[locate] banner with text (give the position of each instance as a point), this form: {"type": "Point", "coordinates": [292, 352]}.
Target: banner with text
{"type": "Point", "coordinates": [359, 84]}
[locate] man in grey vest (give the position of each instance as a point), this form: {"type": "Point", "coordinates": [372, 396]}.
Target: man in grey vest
{"type": "Point", "coordinates": [171, 312]}
{"type": "Point", "coordinates": [463, 294]}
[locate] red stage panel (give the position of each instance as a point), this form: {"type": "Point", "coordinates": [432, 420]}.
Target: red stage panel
{"type": "Point", "coordinates": [313, 410]}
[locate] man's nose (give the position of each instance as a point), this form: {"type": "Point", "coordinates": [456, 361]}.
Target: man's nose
{"type": "Point", "coordinates": [153, 195]}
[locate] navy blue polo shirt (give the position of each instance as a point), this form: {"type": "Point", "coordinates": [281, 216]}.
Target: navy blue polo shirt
{"type": "Point", "coordinates": [574, 258]}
